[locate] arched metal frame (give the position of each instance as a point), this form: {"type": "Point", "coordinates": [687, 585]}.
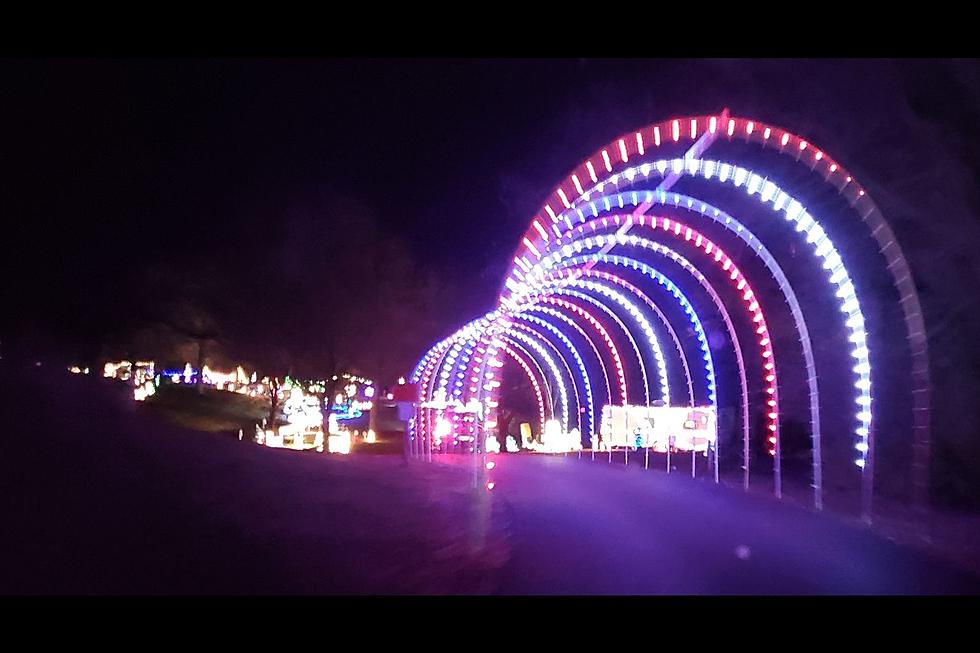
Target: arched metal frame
{"type": "Point", "coordinates": [583, 371]}
{"type": "Point", "coordinates": [534, 384]}
{"type": "Point", "coordinates": [755, 245]}
{"type": "Point", "coordinates": [632, 149]}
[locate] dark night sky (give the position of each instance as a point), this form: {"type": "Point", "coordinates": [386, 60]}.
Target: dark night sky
{"type": "Point", "coordinates": [199, 167]}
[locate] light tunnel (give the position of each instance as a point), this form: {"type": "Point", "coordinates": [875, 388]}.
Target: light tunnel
{"type": "Point", "coordinates": [619, 261]}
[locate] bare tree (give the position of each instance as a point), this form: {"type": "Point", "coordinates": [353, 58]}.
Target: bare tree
{"type": "Point", "coordinates": [275, 403]}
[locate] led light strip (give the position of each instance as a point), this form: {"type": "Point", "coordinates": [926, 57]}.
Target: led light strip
{"type": "Point", "coordinates": [552, 290]}
{"type": "Point", "coordinates": [733, 226]}
{"type": "Point", "coordinates": [738, 281]}
{"type": "Point", "coordinates": [547, 310]}
{"type": "Point", "coordinates": [793, 211]}
{"type": "Point", "coordinates": [519, 326]}
{"type": "Point", "coordinates": [534, 384]}
{"type": "Point", "coordinates": [589, 403]}
{"type": "Point", "coordinates": [652, 273]}
{"type": "Point", "coordinates": [636, 292]}
{"type": "Point", "coordinates": [562, 391]}
{"type": "Point", "coordinates": [645, 327]}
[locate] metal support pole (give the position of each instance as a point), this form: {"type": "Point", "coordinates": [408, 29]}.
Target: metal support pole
{"type": "Point", "coordinates": [646, 458]}
{"type": "Point", "coordinates": [626, 449]}
{"type": "Point", "coordinates": [476, 461]}
{"type": "Point", "coordinates": [778, 469]}
{"type": "Point", "coordinates": [694, 460]}
{"type": "Point", "coordinates": [868, 482]}
{"type": "Point", "coordinates": [716, 447]}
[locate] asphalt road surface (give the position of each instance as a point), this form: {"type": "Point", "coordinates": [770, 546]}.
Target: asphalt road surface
{"type": "Point", "coordinates": [102, 497]}
{"type": "Point", "coordinates": [580, 527]}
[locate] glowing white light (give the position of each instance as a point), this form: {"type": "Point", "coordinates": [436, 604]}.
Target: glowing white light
{"type": "Point", "coordinates": [492, 445]}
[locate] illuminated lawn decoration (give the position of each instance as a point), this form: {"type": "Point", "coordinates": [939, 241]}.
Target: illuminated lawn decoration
{"type": "Point", "coordinates": [340, 442]}
{"type": "Point", "coordinates": [141, 392]}
{"type": "Point", "coordinates": [554, 439]}
{"type": "Point", "coordinates": [660, 427]}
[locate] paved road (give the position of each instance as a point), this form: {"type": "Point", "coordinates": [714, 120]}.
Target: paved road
{"type": "Point", "coordinates": [579, 527]}
{"type": "Point", "coordinates": [101, 497]}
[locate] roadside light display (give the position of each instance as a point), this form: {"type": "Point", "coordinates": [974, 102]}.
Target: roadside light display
{"type": "Point", "coordinates": [692, 429]}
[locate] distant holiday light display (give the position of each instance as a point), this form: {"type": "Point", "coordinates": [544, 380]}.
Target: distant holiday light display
{"type": "Point", "coordinates": [340, 442]}
{"type": "Point", "coordinates": [492, 445]}
{"type": "Point", "coordinates": [554, 439]}
{"type": "Point", "coordinates": [300, 403]}
{"type": "Point", "coordinates": [605, 256]}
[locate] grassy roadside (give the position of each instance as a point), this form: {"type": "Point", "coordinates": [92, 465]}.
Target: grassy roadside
{"type": "Point", "coordinates": [210, 410]}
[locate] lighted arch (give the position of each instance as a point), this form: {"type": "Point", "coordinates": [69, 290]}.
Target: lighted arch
{"type": "Point", "coordinates": [685, 131]}
{"type": "Point", "coordinates": [545, 310]}
{"type": "Point", "coordinates": [709, 372]}
{"type": "Point", "coordinates": [676, 229]}
{"type": "Point", "coordinates": [574, 309]}
{"type": "Point", "coordinates": [663, 280]}
{"type": "Point", "coordinates": [755, 245]}
{"type": "Point", "coordinates": [525, 328]}
{"type": "Point", "coordinates": [521, 338]}
{"type": "Point", "coordinates": [534, 383]}
{"type": "Point", "coordinates": [645, 327]}
{"type": "Point", "coordinates": [617, 164]}
{"type": "Point", "coordinates": [583, 372]}
{"type": "Point", "coordinates": [794, 212]}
